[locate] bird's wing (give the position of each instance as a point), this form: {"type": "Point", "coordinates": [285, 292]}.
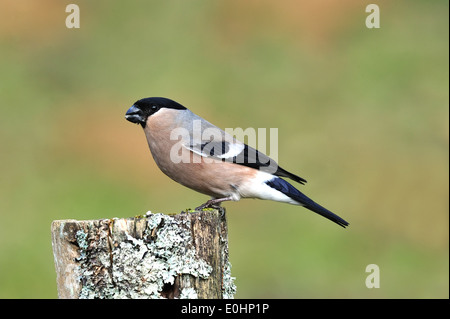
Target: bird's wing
{"type": "Point", "coordinates": [239, 153]}
{"type": "Point", "coordinates": [218, 149]}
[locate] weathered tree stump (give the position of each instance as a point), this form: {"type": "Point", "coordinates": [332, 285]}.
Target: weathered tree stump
{"type": "Point", "coordinates": [151, 256]}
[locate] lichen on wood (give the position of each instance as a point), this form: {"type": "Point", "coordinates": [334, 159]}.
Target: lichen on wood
{"type": "Point", "coordinates": [157, 256]}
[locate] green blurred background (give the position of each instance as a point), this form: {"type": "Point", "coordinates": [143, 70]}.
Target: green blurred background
{"type": "Point", "coordinates": [362, 114]}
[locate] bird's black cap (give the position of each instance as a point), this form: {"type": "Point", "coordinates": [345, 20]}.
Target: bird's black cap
{"type": "Point", "coordinates": [143, 108]}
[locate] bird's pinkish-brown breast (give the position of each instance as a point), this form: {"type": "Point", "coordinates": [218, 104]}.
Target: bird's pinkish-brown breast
{"type": "Point", "coordinates": [205, 175]}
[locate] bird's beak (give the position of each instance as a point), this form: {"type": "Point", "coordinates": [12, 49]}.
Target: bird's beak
{"type": "Point", "coordinates": [135, 115]}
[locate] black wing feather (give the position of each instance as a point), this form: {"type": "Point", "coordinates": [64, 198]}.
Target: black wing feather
{"type": "Point", "coordinates": [249, 157]}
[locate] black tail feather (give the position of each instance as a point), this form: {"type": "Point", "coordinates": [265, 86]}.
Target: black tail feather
{"type": "Point", "coordinates": [289, 190]}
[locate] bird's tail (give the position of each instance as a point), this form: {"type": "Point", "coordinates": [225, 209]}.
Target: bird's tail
{"type": "Point", "coordinates": [289, 190]}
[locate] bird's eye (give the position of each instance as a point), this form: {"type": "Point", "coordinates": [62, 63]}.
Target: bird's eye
{"type": "Point", "coordinates": [154, 108]}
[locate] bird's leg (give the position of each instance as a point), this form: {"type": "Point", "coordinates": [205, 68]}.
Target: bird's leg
{"type": "Point", "coordinates": [215, 202]}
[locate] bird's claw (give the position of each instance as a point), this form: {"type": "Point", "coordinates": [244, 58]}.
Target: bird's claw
{"type": "Point", "coordinates": [208, 204]}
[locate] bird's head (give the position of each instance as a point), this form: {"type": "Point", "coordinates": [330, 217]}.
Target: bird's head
{"type": "Point", "coordinates": [141, 110]}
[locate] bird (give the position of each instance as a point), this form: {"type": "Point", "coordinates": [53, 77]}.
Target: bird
{"type": "Point", "coordinates": [199, 155]}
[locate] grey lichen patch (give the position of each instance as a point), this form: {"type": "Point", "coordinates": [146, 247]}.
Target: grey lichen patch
{"type": "Point", "coordinates": [95, 261]}
{"type": "Point", "coordinates": [140, 267]}
{"type": "Point", "coordinates": [173, 245]}
{"type": "Point", "coordinates": [228, 286]}
{"type": "Point", "coordinates": [188, 293]}
{"type": "Point", "coordinates": [82, 242]}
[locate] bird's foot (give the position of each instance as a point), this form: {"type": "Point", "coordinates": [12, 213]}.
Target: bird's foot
{"type": "Point", "coordinates": [213, 203]}
{"type": "Point", "coordinates": [209, 204]}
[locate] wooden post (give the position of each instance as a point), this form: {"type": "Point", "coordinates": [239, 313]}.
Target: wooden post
{"type": "Point", "coordinates": [151, 256]}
